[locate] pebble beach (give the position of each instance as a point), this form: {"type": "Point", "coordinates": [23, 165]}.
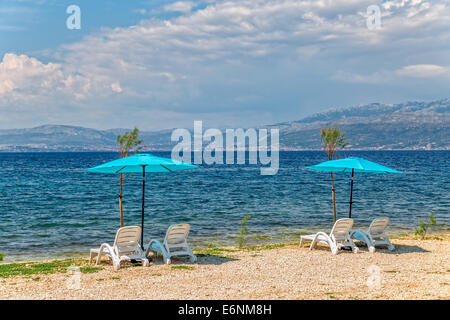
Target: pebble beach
{"type": "Point", "coordinates": [416, 269]}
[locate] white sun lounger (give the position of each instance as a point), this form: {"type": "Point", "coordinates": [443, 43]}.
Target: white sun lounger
{"type": "Point", "coordinates": [175, 244]}
{"type": "Point", "coordinates": [126, 247]}
{"type": "Point", "coordinates": [375, 235]}
{"type": "Point", "coordinates": [339, 237]}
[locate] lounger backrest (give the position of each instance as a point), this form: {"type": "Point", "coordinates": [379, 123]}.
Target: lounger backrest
{"type": "Point", "coordinates": [176, 236]}
{"type": "Point", "coordinates": [341, 229]}
{"type": "Point", "coordinates": [378, 226]}
{"type": "Point", "coordinates": [127, 239]}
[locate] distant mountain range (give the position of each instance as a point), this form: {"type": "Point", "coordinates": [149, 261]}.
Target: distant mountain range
{"type": "Point", "coordinates": [376, 126]}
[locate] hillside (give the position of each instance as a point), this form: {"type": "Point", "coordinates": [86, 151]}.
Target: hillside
{"type": "Point", "coordinates": [410, 125]}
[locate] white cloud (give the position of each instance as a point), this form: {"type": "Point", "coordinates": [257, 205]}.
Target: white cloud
{"type": "Point", "coordinates": [423, 71]}
{"type": "Point", "coordinates": [24, 79]}
{"type": "Point", "coordinates": [210, 61]}
{"type": "Point", "coordinates": [20, 73]}
{"type": "Point", "coordinates": [179, 6]}
{"type": "Point", "coordinates": [391, 76]}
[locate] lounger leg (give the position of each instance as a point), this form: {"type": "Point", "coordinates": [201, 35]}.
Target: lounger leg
{"type": "Point", "coordinates": [334, 248]}
{"type": "Point", "coordinates": [99, 256]}
{"type": "Point", "coordinates": [91, 256]}
{"type": "Point", "coordinates": [391, 247]}
{"type": "Point", "coordinates": [313, 243]}
{"type": "Point", "coordinates": [370, 243]}
{"type": "Point", "coordinates": [111, 252]}
{"type": "Point", "coordinates": [192, 256]}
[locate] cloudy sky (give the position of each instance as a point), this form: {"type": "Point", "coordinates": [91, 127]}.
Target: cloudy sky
{"type": "Point", "coordinates": [233, 63]}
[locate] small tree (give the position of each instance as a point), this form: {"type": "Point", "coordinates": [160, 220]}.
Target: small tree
{"type": "Point", "coordinates": [243, 231]}
{"type": "Point", "coordinates": [127, 143]}
{"type": "Point", "coordinates": [422, 228]}
{"type": "Point", "coordinates": [332, 140]}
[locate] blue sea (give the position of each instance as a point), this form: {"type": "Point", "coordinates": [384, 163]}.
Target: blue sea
{"type": "Point", "coordinates": [52, 208]}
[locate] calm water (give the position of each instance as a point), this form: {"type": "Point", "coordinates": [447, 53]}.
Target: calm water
{"type": "Point", "coordinates": [51, 207]}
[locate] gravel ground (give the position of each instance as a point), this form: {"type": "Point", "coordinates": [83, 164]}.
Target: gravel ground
{"type": "Point", "coordinates": [417, 269]}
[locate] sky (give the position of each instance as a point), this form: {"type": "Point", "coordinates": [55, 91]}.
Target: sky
{"type": "Point", "coordinates": [161, 64]}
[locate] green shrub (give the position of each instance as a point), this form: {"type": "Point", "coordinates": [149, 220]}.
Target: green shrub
{"type": "Point", "coordinates": [424, 226]}
{"type": "Point", "coordinates": [242, 240]}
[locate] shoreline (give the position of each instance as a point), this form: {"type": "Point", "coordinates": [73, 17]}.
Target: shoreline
{"type": "Point", "coordinates": [200, 245]}
{"type": "Point", "coordinates": [403, 234]}
{"type": "Point", "coordinates": [417, 269]}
